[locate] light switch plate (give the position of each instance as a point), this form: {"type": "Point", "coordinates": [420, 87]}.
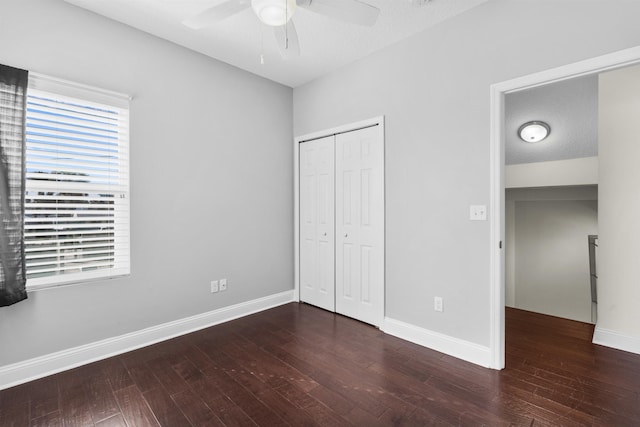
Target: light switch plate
{"type": "Point", "coordinates": [478, 212]}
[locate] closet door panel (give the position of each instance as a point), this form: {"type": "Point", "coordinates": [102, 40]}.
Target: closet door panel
{"type": "Point", "coordinates": [360, 225]}
{"type": "Point", "coordinates": [317, 223]}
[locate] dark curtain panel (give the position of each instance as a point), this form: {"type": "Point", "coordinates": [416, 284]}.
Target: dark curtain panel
{"type": "Point", "coordinates": [13, 94]}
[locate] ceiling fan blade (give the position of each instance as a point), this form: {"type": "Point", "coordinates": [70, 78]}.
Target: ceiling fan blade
{"type": "Point", "coordinates": [350, 11]}
{"type": "Point", "coordinates": [216, 13]}
{"type": "Point", "coordinates": [287, 38]}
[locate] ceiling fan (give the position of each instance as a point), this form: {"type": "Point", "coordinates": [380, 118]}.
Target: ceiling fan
{"type": "Point", "coordinates": [278, 13]}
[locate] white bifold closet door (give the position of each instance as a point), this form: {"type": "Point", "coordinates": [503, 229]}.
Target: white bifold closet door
{"type": "Point", "coordinates": [342, 223]}
{"type": "Point", "coordinates": [317, 220]}
{"type": "Point", "coordinates": [360, 225]}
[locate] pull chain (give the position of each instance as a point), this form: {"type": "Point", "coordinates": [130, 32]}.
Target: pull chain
{"type": "Point", "coordinates": [286, 26]}
{"type": "Point", "coordinates": [261, 44]}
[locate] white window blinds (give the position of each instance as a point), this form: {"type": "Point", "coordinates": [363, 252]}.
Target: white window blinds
{"type": "Point", "coordinates": [77, 185]}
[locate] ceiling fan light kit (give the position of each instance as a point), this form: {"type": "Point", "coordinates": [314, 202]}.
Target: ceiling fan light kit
{"type": "Point", "coordinates": [274, 12]}
{"type": "Point", "coordinates": [278, 13]}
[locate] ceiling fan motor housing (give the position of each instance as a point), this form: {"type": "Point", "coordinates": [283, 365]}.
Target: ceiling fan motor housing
{"type": "Point", "coordinates": [274, 12]}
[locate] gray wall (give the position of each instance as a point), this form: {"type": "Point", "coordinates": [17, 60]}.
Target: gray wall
{"type": "Point", "coordinates": [547, 250]}
{"type": "Point", "coordinates": [211, 179]}
{"type": "Point", "coordinates": [434, 91]}
{"type": "Point", "coordinates": [552, 257]}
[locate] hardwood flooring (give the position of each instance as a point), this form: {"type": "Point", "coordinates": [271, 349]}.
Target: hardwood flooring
{"type": "Point", "coordinates": [301, 366]}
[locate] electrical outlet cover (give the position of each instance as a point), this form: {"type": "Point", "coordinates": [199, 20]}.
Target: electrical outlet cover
{"type": "Point", "coordinates": [438, 304]}
{"type": "Point", "coordinates": [478, 212]}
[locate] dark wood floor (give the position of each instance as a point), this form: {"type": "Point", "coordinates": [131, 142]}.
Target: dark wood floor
{"type": "Point", "coordinates": [297, 365]}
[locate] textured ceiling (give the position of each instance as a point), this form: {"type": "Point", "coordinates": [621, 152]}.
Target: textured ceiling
{"type": "Point", "coordinates": [569, 107]}
{"type": "Point", "coordinates": [325, 44]}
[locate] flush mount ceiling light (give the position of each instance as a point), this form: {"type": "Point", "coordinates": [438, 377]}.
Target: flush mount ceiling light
{"type": "Point", "coordinates": [274, 12]}
{"type": "Point", "coordinates": [534, 131]}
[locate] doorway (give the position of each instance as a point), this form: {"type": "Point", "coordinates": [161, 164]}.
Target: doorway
{"type": "Point", "coordinates": [497, 160]}
{"type": "Point", "coordinates": [551, 192]}
{"type": "Point", "coordinates": [339, 220]}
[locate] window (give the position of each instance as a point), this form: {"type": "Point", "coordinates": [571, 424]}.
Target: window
{"type": "Point", "coordinates": [76, 224]}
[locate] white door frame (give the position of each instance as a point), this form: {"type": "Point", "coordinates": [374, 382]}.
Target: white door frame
{"type": "Point", "coordinates": [590, 66]}
{"type": "Point", "coordinates": [296, 193]}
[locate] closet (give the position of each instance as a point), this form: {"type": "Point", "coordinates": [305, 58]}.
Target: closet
{"type": "Point", "coordinates": [341, 221]}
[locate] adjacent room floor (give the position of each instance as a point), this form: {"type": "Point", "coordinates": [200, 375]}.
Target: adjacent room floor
{"type": "Point", "coordinates": [298, 365]}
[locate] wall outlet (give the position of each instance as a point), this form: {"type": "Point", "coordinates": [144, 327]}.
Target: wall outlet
{"type": "Point", "coordinates": [438, 304]}
{"type": "Point", "coordinates": [223, 284]}
{"type": "Point", "coordinates": [214, 286]}
{"type": "Point", "coordinates": [478, 212]}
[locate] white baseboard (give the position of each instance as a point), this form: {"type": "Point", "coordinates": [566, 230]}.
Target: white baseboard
{"type": "Point", "coordinates": [616, 340]}
{"type": "Point", "coordinates": [21, 372]}
{"type": "Point", "coordinates": [465, 350]}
